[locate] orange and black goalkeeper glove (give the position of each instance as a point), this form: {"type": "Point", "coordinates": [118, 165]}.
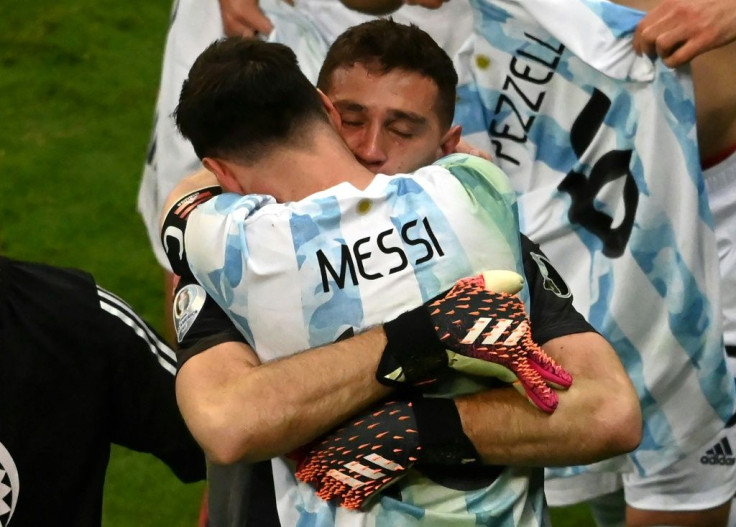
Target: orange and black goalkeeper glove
{"type": "Point", "coordinates": [353, 464]}
{"type": "Point", "coordinates": [476, 330]}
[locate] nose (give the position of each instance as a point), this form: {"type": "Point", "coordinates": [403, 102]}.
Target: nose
{"type": "Point", "coordinates": [369, 148]}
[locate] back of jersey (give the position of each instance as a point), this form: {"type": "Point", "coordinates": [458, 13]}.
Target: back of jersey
{"type": "Point", "coordinates": [600, 143]}
{"type": "Point", "coordinates": [299, 275]}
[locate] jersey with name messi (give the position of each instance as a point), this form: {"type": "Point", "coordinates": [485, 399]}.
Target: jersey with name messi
{"type": "Point", "coordinates": [303, 274]}
{"type": "Point", "coordinates": [600, 144]}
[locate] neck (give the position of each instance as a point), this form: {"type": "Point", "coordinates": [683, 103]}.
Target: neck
{"type": "Point", "coordinates": [291, 174]}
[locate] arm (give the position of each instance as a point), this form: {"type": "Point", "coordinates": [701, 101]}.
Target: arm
{"type": "Point", "coordinates": [598, 416]}
{"type": "Point", "coordinates": [240, 409]}
{"type": "Point", "coordinates": [144, 414]}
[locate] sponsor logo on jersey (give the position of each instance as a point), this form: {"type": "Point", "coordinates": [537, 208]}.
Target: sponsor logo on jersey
{"type": "Point", "coordinates": [417, 234]}
{"type": "Point", "coordinates": [9, 486]}
{"type": "Point", "coordinates": [188, 304]}
{"type": "Point", "coordinates": [720, 454]}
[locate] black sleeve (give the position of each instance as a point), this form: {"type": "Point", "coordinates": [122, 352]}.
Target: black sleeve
{"type": "Point", "coordinates": [552, 313]}
{"type": "Point", "coordinates": [174, 225]}
{"type": "Point", "coordinates": [144, 415]}
{"type": "Point", "coordinates": [200, 323]}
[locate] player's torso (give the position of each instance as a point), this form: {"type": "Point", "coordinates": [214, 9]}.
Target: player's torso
{"type": "Point", "coordinates": [343, 261]}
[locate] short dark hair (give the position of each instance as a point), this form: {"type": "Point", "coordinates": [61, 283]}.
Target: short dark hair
{"type": "Point", "coordinates": [243, 96]}
{"type": "Point", "coordinates": [387, 45]}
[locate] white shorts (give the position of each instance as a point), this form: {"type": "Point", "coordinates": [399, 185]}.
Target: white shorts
{"type": "Point", "coordinates": [720, 182]}
{"type": "Point", "coordinates": [703, 480]}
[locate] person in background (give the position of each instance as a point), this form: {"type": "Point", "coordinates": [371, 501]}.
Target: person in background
{"type": "Point", "coordinates": [308, 26]}
{"type": "Point", "coordinates": [197, 366]}
{"type": "Point", "coordinates": [79, 371]}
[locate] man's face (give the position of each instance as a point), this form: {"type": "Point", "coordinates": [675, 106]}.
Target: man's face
{"type": "Point", "coordinates": [389, 120]}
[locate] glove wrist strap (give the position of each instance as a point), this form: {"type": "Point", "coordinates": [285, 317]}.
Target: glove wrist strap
{"type": "Point", "coordinates": [441, 433]}
{"type": "Point", "coordinates": [413, 352]}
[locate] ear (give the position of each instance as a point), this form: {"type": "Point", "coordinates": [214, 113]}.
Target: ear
{"type": "Point", "coordinates": [224, 173]}
{"type": "Point", "coordinates": [332, 112]}
{"type": "Point", "coordinates": [451, 139]}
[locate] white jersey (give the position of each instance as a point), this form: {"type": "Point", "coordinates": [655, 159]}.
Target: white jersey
{"type": "Point", "coordinates": [600, 145]}
{"type": "Point", "coordinates": [720, 181]}
{"type": "Point", "coordinates": [308, 27]}
{"type": "Point", "coordinates": [299, 275]}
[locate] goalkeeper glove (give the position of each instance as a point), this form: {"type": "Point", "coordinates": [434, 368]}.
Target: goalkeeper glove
{"type": "Point", "coordinates": [474, 330]}
{"type": "Point", "coordinates": [357, 461]}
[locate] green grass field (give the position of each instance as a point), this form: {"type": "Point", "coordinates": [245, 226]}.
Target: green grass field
{"type": "Point", "coordinates": [78, 83]}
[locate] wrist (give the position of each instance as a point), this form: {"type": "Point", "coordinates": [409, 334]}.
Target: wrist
{"type": "Point", "coordinates": [441, 433]}
{"type": "Point", "coordinates": [413, 352]}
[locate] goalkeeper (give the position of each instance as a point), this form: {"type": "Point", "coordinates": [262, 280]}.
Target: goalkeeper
{"type": "Point", "coordinates": [336, 386]}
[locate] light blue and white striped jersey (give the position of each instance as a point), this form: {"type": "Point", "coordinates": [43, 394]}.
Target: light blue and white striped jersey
{"type": "Point", "coordinates": [299, 275]}
{"type": "Point", "coordinates": [600, 145]}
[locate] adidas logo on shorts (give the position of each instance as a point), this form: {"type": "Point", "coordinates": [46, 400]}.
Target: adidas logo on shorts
{"type": "Point", "coordinates": [720, 454]}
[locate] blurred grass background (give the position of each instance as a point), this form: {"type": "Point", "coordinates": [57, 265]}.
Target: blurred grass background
{"type": "Point", "coordinates": [78, 85]}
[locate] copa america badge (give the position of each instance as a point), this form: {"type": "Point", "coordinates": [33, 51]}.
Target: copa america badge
{"type": "Point", "coordinates": [188, 304]}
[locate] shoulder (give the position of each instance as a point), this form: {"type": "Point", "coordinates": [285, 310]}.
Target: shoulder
{"type": "Point", "coordinates": [474, 171]}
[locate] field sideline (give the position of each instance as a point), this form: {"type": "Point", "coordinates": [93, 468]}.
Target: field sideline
{"type": "Point", "coordinates": [78, 83]}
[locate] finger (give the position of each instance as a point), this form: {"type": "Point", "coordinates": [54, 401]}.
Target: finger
{"type": "Point", "coordinates": [687, 52]}
{"type": "Point", "coordinates": [531, 385]}
{"type": "Point", "coordinates": [552, 373]}
{"type": "Point", "coordinates": [257, 21]}
{"type": "Point", "coordinates": [232, 27]}
{"type": "Point", "coordinates": [655, 24]}
{"type": "Point", "coordinates": [481, 153]}
{"type": "Point", "coordinates": [668, 43]}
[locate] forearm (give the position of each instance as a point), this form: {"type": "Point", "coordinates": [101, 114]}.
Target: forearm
{"type": "Point", "coordinates": [597, 417]}
{"type": "Point", "coordinates": [238, 409]}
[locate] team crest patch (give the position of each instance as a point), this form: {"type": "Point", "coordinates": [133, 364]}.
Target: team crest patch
{"type": "Point", "coordinates": [551, 280]}
{"type": "Point", "coordinates": [188, 304]}
{"type": "Point", "coordinates": [9, 486]}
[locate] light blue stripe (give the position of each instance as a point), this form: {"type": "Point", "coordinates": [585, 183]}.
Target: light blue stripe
{"type": "Point", "coordinates": [621, 20]}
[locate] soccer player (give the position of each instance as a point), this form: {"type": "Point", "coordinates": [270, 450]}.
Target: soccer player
{"type": "Point", "coordinates": [600, 145]}
{"type": "Point", "coordinates": [498, 403]}
{"type": "Point", "coordinates": [79, 370]}
{"type": "Point", "coordinates": [308, 26]}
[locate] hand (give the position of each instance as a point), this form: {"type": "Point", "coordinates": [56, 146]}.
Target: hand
{"type": "Point", "coordinates": [244, 18]}
{"type": "Point", "coordinates": [477, 327]}
{"type": "Point", "coordinates": [463, 147]}
{"type": "Point", "coordinates": [488, 333]}
{"type": "Point", "coordinates": [679, 30]}
{"type": "Point", "coordinates": [355, 462]}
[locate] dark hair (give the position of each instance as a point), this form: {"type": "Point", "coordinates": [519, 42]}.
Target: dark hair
{"type": "Point", "coordinates": [243, 96]}
{"type": "Point", "coordinates": [386, 45]}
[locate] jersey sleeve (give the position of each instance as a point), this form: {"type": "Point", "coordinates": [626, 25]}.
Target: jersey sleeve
{"type": "Point", "coordinates": [174, 226]}
{"type": "Point", "coordinates": [144, 415]}
{"type": "Point", "coordinates": [552, 313]}
{"type": "Point", "coordinates": [199, 322]}
{"type": "Point", "coordinates": [481, 178]}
